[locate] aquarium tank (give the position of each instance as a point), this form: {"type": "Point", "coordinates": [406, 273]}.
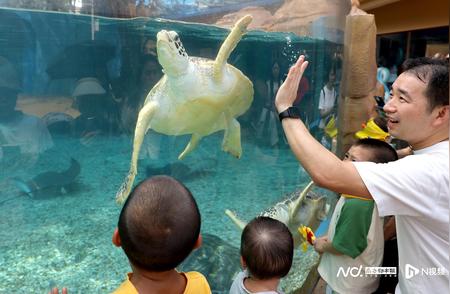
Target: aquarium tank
{"type": "Point", "coordinates": [74, 76]}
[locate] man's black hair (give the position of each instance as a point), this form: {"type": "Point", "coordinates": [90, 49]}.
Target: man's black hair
{"type": "Point", "coordinates": [159, 224]}
{"type": "Point", "coordinates": [434, 73]}
{"type": "Point", "coordinates": [382, 152]}
{"type": "Point", "coordinates": [267, 248]}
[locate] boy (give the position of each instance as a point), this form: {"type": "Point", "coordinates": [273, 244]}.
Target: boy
{"type": "Point", "coordinates": [355, 236]}
{"type": "Point", "coordinates": [159, 226]}
{"type": "Point", "coordinates": [267, 249]}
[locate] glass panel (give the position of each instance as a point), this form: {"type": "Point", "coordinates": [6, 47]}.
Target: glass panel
{"type": "Point", "coordinates": [71, 85]}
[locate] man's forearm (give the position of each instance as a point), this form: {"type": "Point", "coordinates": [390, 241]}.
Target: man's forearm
{"type": "Point", "coordinates": [325, 168]}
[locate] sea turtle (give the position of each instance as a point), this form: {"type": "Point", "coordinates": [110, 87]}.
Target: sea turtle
{"type": "Point", "coordinates": [217, 259]}
{"type": "Point", "coordinates": [196, 96]}
{"type": "Point", "coordinates": [299, 208]}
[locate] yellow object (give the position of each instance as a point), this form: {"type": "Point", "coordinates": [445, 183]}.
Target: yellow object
{"type": "Point", "coordinates": [196, 284]}
{"type": "Point", "coordinates": [371, 130]}
{"type": "Point", "coordinates": [330, 128]}
{"type": "Point", "coordinates": [356, 197]}
{"type": "Point", "coordinates": [308, 236]}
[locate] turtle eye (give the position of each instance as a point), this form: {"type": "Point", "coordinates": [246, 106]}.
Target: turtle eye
{"type": "Point", "coordinates": [176, 38]}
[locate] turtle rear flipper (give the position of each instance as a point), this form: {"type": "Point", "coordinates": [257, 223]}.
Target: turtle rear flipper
{"type": "Point", "coordinates": [239, 223]}
{"type": "Point", "coordinates": [232, 137]}
{"type": "Point", "coordinates": [229, 44]}
{"type": "Point", "coordinates": [190, 146]}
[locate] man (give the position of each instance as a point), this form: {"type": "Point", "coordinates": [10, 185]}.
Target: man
{"type": "Point", "coordinates": [415, 189]}
{"type": "Point", "coordinates": [18, 130]}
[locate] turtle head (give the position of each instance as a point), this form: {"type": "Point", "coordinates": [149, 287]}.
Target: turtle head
{"type": "Point", "coordinates": [171, 53]}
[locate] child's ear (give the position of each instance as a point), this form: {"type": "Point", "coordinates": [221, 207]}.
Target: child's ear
{"type": "Point", "coordinates": [199, 241]}
{"type": "Point", "coordinates": [243, 264]}
{"type": "Point", "coordinates": [116, 238]}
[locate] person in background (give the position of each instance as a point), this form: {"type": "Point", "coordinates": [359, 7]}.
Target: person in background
{"type": "Point", "coordinates": [149, 47]}
{"type": "Point", "coordinates": [383, 74]}
{"type": "Point", "coordinates": [382, 88]}
{"type": "Point", "coordinates": [327, 106]}
{"type": "Point", "coordinates": [392, 75]}
{"type": "Point", "coordinates": [26, 134]}
{"type": "Point", "coordinates": [159, 226]}
{"type": "Point", "coordinates": [267, 250]}
{"type": "Point", "coordinates": [98, 111]}
{"type": "Point", "coordinates": [355, 234]}
{"type": "Point", "coordinates": [267, 127]}
{"type": "Point", "coordinates": [149, 73]}
{"type": "Point", "coordinates": [415, 188]}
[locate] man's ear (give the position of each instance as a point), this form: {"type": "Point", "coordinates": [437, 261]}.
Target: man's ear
{"type": "Point", "coordinates": [116, 238]}
{"type": "Point", "coordinates": [199, 241]}
{"type": "Point", "coordinates": [442, 115]}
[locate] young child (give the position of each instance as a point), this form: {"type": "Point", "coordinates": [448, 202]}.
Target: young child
{"type": "Point", "coordinates": [159, 226]}
{"type": "Point", "coordinates": [355, 235]}
{"type": "Point", "coordinates": [267, 249]}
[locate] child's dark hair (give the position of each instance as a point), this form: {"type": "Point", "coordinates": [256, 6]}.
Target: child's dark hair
{"type": "Point", "coordinates": [382, 152]}
{"type": "Point", "coordinates": [159, 224]}
{"type": "Point", "coordinates": [267, 247]}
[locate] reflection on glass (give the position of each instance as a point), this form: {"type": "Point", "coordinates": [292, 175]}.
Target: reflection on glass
{"type": "Point", "coordinates": [83, 83]}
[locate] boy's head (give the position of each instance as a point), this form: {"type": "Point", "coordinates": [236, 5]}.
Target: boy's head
{"type": "Point", "coordinates": [267, 248]}
{"type": "Point", "coordinates": [159, 224]}
{"type": "Point", "coordinates": [371, 150]}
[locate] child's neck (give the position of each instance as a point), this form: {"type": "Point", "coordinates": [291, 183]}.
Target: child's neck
{"type": "Point", "coordinates": [158, 282]}
{"type": "Point", "coordinates": [256, 285]}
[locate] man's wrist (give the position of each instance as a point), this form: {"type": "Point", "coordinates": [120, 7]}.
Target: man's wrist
{"type": "Point", "coordinates": [282, 107]}
{"type": "Point", "coordinates": [290, 112]}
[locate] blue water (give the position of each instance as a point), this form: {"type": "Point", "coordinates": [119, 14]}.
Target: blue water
{"type": "Point", "coordinates": [65, 239]}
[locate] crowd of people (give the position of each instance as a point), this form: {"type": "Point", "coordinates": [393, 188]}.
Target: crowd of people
{"type": "Point", "coordinates": [102, 111]}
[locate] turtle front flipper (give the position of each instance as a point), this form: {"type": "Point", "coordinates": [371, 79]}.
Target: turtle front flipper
{"type": "Point", "coordinates": [190, 146]}
{"type": "Point", "coordinates": [295, 206]}
{"type": "Point", "coordinates": [232, 137]}
{"type": "Point", "coordinates": [229, 44]}
{"type": "Point", "coordinates": [239, 223]}
{"type": "Point", "coordinates": [143, 122]}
